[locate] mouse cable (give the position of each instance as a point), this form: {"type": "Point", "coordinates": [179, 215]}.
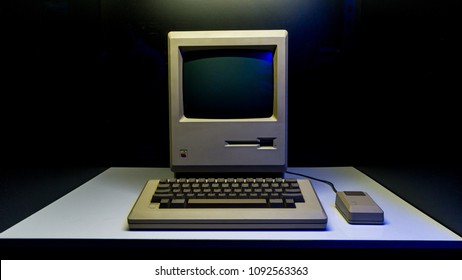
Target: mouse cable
{"type": "Point", "coordinates": [316, 179]}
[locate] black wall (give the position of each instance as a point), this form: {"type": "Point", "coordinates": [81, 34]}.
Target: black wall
{"type": "Point", "coordinates": [370, 82]}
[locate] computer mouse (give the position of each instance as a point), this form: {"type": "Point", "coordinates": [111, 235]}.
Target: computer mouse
{"type": "Point", "coordinates": [358, 207]}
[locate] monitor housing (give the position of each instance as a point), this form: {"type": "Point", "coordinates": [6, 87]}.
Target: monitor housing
{"type": "Point", "coordinates": [228, 101]}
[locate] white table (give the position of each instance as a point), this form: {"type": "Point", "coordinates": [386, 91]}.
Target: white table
{"type": "Point", "coordinates": [98, 209]}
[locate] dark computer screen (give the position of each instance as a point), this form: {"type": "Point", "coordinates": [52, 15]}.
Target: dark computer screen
{"type": "Point", "coordinates": [228, 83]}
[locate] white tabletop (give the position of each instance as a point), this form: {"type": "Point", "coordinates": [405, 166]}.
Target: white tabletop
{"type": "Point", "coordinates": [98, 210]}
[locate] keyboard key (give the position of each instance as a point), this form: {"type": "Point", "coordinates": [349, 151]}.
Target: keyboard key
{"type": "Point", "coordinates": [290, 203]}
{"type": "Point", "coordinates": [158, 191]}
{"type": "Point", "coordinates": [164, 203]}
{"type": "Point", "coordinates": [227, 203]}
{"type": "Point", "coordinates": [158, 197]}
{"type": "Point", "coordinates": [297, 197]}
{"type": "Point", "coordinates": [276, 203]}
{"type": "Point", "coordinates": [297, 190]}
{"type": "Point", "coordinates": [178, 203]}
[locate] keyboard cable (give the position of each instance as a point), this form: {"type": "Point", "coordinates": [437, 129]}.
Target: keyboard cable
{"type": "Point", "coordinates": [316, 179]}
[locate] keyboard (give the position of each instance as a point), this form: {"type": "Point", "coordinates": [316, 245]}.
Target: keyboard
{"type": "Point", "coordinates": [227, 203]}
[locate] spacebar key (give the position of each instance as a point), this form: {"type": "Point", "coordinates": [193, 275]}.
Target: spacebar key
{"type": "Point", "coordinates": [226, 203]}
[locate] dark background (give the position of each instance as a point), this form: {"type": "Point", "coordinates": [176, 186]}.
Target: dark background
{"type": "Point", "coordinates": [84, 82]}
{"type": "Point", "coordinates": [373, 84]}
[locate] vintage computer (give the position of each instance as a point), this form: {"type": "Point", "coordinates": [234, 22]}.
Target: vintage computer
{"type": "Point", "coordinates": [228, 101]}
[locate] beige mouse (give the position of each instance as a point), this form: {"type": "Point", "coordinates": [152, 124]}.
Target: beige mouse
{"type": "Point", "coordinates": [358, 208]}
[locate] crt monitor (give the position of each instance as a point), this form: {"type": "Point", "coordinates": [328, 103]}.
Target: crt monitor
{"type": "Point", "coordinates": [228, 101]}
